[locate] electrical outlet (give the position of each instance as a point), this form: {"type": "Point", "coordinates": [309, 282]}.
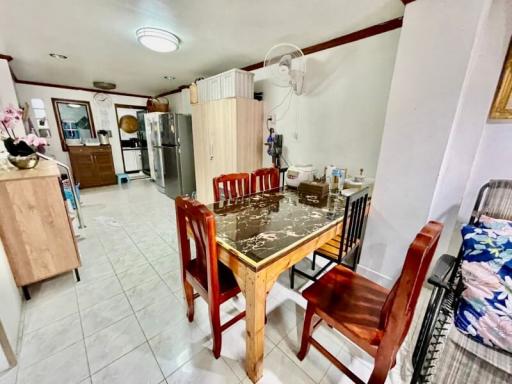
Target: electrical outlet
{"type": "Point", "coordinates": [271, 118]}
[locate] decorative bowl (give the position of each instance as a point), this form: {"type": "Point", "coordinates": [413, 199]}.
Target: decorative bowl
{"type": "Point", "coordinates": [24, 162]}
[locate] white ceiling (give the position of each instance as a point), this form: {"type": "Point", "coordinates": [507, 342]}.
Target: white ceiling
{"type": "Point", "coordinates": [99, 36]}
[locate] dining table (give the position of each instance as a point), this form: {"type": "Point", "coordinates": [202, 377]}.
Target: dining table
{"type": "Point", "coordinates": [259, 236]}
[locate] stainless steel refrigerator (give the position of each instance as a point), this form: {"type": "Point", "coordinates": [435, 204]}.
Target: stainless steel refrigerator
{"type": "Point", "coordinates": [174, 155]}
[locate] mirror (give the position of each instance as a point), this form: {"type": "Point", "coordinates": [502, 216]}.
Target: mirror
{"type": "Point", "coordinates": [74, 121]}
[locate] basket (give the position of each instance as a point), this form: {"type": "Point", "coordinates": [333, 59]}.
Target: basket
{"type": "Point", "coordinates": [158, 104]}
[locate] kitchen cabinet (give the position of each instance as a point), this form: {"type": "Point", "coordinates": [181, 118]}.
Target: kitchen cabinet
{"type": "Point", "coordinates": [34, 225]}
{"type": "Point", "coordinates": [228, 137]}
{"type": "Point", "coordinates": [92, 165]}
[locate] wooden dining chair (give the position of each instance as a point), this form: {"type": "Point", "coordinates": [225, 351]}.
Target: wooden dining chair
{"type": "Point", "coordinates": [264, 179]}
{"type": "Point", "coordinates": [345, 248]}
{"type": "Point", "coordinates": [233, 185]}
{"type": "Point", "coordinates": [372, 317]}
{"type": "Point", "coordinates": [213, 281]}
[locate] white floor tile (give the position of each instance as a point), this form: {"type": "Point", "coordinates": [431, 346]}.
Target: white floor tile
{"type": "Point", "coordinates": [173, 281]}
{"type": "Point", "coordinates": [51, 288]}
{"type": "Point", "coordinates": [95, 271]}
{"type": "Point", "coordinates": [111, 343]}
{"type": "Point", "coordinates": [127, 260]}
{"type": "Point", "coordinates": [68, 366]}
{"type": "Point", "coordinates": [157, 317]}
{"type": "Point", "coordinates": [148, 293]}
{"type": "Point", "coordinates": [177, 344]}
{"type": "Point", "coordinates": [90, 294]}
{"type": "Point", "coordinates": [136, 367]}
{"type": "Point", "coordinates": [136, 276]}
{"type": "Point", "coordinates": [46, 341]}
{"type": "Point", "coordinates": [203, 368]}
{"type": "Point", "coordinates": [315, 364]}
{"type": "Point", "coordinates": [105, 313]}
{"type": "Point", "coordinates": [282, 318]}
{"type": "Point", "coordinates": [279, 369]}
{"type": "Point", "coordinates": [9, 376]}
{"type": "Point", "coordinates": [48, 311]}
{"type": "Point", "coordinates": [167, 264]}
{"type": "Point", "coordinates": [233, 348]}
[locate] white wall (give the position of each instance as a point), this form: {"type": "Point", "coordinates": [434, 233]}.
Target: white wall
{"type": "Point", "coordinates": [440, 97]}
{"type": "Point", "coordinates": [10, 300]}
{"type": "Point", "coordinates": [493, 161]}
{"type": "Point", "coordinates": [340, 117]}
{"type": "Point", "coordinates": [103, 119]}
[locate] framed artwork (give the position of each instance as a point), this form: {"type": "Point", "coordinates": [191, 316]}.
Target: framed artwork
{"type": "Point", "coordinates": [502, 105]}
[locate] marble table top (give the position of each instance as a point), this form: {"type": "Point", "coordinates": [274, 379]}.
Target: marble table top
{"type": "Point", "coordinates": [265, 225]}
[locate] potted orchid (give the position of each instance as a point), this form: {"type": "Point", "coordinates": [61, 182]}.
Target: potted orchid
{"type": "Point", "coordinates": [22, 150]}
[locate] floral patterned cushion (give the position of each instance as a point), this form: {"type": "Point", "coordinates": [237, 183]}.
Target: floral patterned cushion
{"type": "Point", "coordinates": [495, 224]}
{"type": "Point", "coordinates": [485, 308]}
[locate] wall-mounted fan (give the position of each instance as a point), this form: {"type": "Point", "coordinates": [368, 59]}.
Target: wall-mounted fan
{"type": "Point", "coordinates": [287, 66]}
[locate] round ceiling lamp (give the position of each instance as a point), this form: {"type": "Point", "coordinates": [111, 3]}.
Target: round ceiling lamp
{"type": "Point", "coordinates": [158, 40]}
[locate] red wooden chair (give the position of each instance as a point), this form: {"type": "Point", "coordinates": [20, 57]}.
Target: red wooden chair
{"type": "Point", "coordinates": [233, 184]}
{"type": "Point", "coordinates": [212, 280]}
{"type": "Point", "coordinates": [264, 179]}
{"type": "Point", "coordinates": [374, 318]}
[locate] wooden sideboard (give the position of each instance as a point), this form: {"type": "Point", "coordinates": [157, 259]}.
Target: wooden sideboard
{"type": "Point", "coordinates": [34, 224]}
{"type": "Point", "coordinates": [92, 166]}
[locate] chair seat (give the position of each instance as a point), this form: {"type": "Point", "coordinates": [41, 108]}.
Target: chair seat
{"type": "Point", "coordinates": [352, 302]}
{"type": "Point", "coordinates": [331, 249]}
{"type": "Point", "coordinates": [227, 282]}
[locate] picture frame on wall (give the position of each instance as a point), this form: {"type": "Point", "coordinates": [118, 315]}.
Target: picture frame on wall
{"type": "Point", "coordinates": [502, 105]}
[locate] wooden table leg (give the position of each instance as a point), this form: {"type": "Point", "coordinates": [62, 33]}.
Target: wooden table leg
{"type": "Point", "coordinates": [255, 296]}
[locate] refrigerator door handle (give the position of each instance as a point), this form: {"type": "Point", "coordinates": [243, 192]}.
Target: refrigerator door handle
{"type": "Point", "coordinates": [211, 151]}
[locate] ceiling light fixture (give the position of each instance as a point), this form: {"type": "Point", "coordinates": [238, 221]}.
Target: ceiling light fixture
{"type": "Point", "coordinates": [157, 39]}
{"type": "Point", "coordinates": [58, 56]}
{"type": "Point", "coordinates": [105, 85]}
{"type": "Point", "coordinates": [169, 77]}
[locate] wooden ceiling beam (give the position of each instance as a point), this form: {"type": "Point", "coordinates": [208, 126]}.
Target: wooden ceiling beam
{"type": "Point", "coordinates": [341, 40]}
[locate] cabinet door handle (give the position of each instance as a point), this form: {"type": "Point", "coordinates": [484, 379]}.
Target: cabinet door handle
{"type": "Point", "coordinates": [211, 151]}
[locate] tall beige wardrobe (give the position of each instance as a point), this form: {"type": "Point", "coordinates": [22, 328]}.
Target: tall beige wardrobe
{"type": "Point", "coordinates": [228, 137]}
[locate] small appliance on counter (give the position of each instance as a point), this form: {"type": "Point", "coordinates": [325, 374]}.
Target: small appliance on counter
{"type": "Point", "coordinates": [296, 174]}
{"type": "Point", "coordinates": [103, 137]}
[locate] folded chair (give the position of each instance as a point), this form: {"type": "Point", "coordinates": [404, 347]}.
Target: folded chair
{"type": "Point", "coordinates": [346, 247]}
{"type": "Point", "coordinates": [375, 319]}
{"type": "Point", "coordinates": [494, 199]}
{"type": "Point", "coordinates": [213, 281]}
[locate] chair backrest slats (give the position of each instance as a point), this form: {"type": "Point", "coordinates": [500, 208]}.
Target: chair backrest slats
{"type": "Point", "coordinates": [233, 185]}
{"type": "Point", "coordinates": [264, 179]}
{"type": "Point", "coordinates": [195, 221]}
{"type": "Point", "coordinates": [353, 223]}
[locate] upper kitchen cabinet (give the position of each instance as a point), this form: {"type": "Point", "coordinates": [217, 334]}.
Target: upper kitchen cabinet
{"type": "Point", "coordinates": [228, 137]}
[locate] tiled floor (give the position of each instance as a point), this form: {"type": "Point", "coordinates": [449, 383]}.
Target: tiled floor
{"type": "Point", "coordinates": [125, 321]}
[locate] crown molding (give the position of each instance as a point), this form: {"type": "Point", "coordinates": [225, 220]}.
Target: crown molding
{"type": "Point", "coordinates": [361, 34]}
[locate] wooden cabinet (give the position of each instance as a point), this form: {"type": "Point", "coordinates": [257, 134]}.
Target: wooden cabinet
{"type": "Point", "coordinates": [228, 137]}
{"type": "Point", "coordinates": [92, 166]}
{"type": "Point", "coordinates": [34, 224]}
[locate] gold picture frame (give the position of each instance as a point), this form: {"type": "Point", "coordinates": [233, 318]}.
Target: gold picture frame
{"type": "Point", "coordinates": [499, 109]}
